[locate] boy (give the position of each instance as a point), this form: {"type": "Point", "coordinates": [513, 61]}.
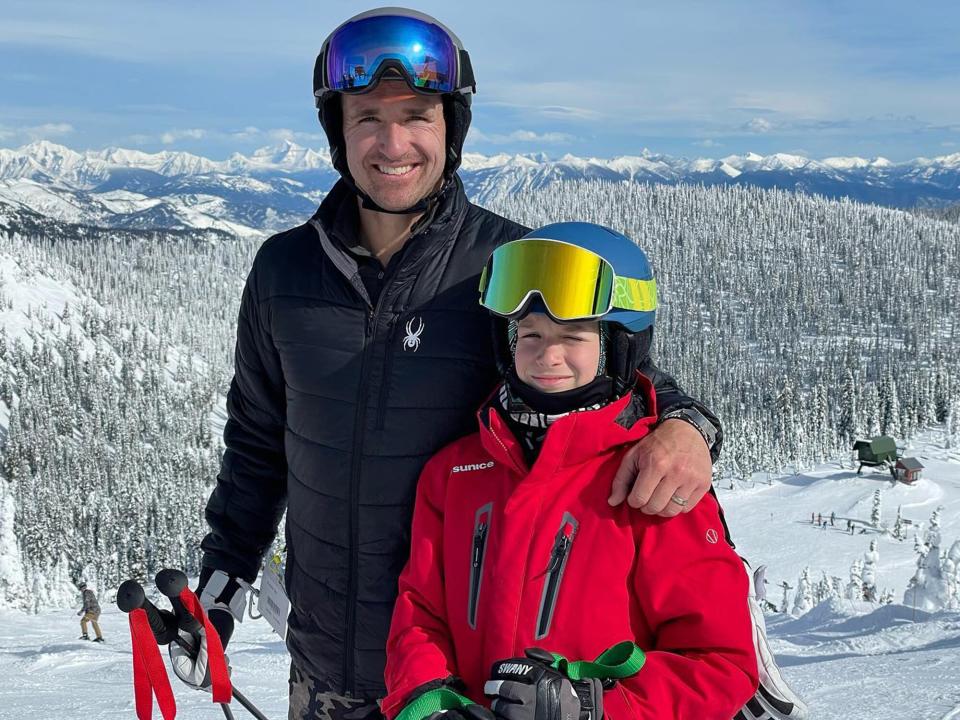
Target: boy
{"type": "Point", "coordinates": [516, 557]}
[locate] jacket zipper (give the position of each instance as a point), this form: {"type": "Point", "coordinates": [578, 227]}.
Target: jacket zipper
{"type": "Point", "coordinates": [562, 544]}
{"type": "Point", "coordinates": [385, 381]}
{"type": "Point", "coordinates": [478, 554]}
{"type": "Point", "coordinates": [370, 331]}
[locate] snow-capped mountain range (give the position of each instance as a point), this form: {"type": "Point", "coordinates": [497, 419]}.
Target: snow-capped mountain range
{"type": "Point", "coordinates": [279, 186]}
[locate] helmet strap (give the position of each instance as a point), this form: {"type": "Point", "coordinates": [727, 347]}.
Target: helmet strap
{"type": "Point", "coordinates": [627, 352]}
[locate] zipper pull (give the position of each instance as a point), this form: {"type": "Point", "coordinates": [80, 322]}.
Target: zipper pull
{"type": "Point", "coordinates": [478, 543]}
{"type": "Point", "coordinates": [559, 549]}
{"type": "Point", "coordinates": [561, 544]}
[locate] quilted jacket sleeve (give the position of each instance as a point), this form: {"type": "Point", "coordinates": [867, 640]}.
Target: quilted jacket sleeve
{"type": "Point", "coordinates": [670, 396]}
{"type": "Point", "coordinates": [420, 649]}
{"type": "Point", "coordinates": [245, 507]}
{"type": "Point", "coordinates": [692, 591]}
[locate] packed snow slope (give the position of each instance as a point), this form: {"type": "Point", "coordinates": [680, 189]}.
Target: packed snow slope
{"type": "Point", "coordinates": [850, 660]}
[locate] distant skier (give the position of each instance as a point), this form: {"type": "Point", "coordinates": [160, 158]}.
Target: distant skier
{"type": "Point", "coordinates": [90, 612]}
{"type": "Point", "coordinates": [813, 518]}
{"type": "Point", "coordinates": [833, 517]}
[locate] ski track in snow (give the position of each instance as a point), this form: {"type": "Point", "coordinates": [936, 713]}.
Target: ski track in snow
{"type": "Point", "coordinates": [850, 661]}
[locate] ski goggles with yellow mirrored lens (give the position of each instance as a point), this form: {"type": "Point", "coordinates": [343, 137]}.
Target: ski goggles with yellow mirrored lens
{"type": "Point", "coordinates": [574, 283]}
{"type": "Point", "coordinates": [428, 56]}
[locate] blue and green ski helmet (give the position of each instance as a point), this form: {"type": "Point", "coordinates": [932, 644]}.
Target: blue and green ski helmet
{"type": "Point", "coordinates": [572, 271]}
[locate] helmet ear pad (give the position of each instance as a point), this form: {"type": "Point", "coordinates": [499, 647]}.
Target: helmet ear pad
{"type": "Point", "coordinates": [331, 119]}
{"type": "Point", "coordinates": [626, 353]}
{"type": "Point", "coordinates": [456, 115]}
{"type": "Point", "coordinates": [502, 352]}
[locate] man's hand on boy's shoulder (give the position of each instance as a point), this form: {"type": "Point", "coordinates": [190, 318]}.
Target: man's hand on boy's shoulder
{"type": "Point", "coordinates": [665, 473]}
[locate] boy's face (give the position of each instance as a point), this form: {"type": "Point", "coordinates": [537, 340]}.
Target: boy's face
{"type": "Point", "coordinates": [552, 357]}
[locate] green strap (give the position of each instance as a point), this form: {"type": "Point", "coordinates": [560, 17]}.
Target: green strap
{"type": "Point", "coordinates": [621, 661]}
{"type": "Point", "coordinates": [433, 701]}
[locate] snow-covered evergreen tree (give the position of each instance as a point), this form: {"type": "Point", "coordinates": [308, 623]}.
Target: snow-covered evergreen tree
{"type": "Point", "coordinates": [871, 561]}
{"type": "Point", "coordinates": [930, 586]}
{"type": "Point", "coordinates": [13, 589]}
{"type": "Point", "coordinates": [804, 599]}
{"type": "Point", "coordinates": [855, 586]}
{"type": "Point", "coordinates": [899, 528]}
{"type": "Point", "coordinates": [877, 508]}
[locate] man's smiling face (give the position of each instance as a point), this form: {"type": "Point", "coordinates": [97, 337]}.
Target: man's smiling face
{"type": "Point", "coordinates": [396, 142]}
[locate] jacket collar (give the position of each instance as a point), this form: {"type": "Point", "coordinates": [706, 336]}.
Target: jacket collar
{"type": "Point", "coordinates": [339, 214]}
{"type": "Point", "coordinates": [574, 438]}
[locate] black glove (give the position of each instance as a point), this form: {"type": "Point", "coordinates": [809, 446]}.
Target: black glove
{"type": "Point", "coordinates": [529, 689]}
{"type": "Point", "coordinates": [221, 606]}
{"type": "Point", "coordinates": [222, 622]}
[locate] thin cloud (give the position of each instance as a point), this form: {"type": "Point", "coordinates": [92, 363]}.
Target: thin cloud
{"type": "Point", "coordinates": [758, 125]}
{"type": "Point", "coordinates": [708, 143]}
{"type": "Point", "coordinates": [566, 112]}
{"type": "Point", "coordinates": [250, 133]}
{"type": "Point", "coordinates": [46, 131]}
{"type": "Point", "coordinates": [519, 136]}
{"type": "Point", "coordinates": [172, 136]}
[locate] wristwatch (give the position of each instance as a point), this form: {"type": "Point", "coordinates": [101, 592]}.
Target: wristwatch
{"type": "Point", "coordinates": [696, 418]}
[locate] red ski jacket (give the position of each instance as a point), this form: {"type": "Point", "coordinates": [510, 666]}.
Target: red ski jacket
{"type": "Point", "coordinates": [504, 557]}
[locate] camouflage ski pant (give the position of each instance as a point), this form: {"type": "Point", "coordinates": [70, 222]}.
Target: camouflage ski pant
{"type": "Point", "coordinates": [312, 700]}
{"type": "Point", "coordinates": [92, 618]}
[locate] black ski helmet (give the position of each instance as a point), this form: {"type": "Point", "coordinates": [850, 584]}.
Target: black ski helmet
{"type": "Point", "coordinates": [457, 93]}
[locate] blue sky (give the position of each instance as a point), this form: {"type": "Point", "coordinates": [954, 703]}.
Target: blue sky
{"type": "Point", "coordinates": [816, 78]}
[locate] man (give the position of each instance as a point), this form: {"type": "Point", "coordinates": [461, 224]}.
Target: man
{"type": "Point", "coordinates": [89, 613]}
{"type": "Point", "coordinates": [362, 350]}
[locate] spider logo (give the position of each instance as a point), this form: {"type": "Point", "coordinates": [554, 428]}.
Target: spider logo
{"type": "Point", "coordinates": [412, 339]}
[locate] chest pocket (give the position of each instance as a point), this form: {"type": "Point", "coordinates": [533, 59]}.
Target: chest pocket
{"type": "Point", "coordinates": [320, 345]}
{"type": "Point", "coordinates": [436, 359]}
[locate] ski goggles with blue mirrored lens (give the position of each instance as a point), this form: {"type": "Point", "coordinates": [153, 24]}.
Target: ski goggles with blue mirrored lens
{"type": "Point", "coordinates": [358, 53]}
{"type": "Point", "coordinates": [574, 283]}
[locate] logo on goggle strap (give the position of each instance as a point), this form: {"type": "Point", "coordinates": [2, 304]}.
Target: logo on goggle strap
{"type": "Point", "coordinates": [412, 339]}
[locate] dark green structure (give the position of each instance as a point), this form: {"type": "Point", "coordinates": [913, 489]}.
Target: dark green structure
{"type": "Point", "coordinates": [881, 450]}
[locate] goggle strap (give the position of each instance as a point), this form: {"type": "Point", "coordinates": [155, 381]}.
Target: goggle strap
{"type": "Point", "coordinates": [634, 294]}
{"type": "Point", "coordinates": [466, 80]}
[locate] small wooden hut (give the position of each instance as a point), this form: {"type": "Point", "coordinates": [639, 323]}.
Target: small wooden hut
{"type": "Point", "coordinates": [907, 470]}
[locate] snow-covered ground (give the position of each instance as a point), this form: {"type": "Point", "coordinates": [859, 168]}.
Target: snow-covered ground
{"type": "Point", "coordinates": [49, 674]}
{"type": "Point", "coordinates": [851, 661]}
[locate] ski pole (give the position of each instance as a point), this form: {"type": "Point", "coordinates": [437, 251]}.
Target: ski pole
{"type": "Point", "coordinates": [172, 583]}
{"type": "Point", "coordinates": [149, 676]}
{"type": "Point", "coordinates": [164, 624]}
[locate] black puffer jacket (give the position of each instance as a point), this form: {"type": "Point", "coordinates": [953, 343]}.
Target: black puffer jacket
{"type": "Point", "coordinates": [336, 406]}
